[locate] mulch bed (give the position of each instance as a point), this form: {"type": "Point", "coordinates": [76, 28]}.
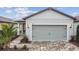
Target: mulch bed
{"type": "Point", "coordinates": [15, 37]}
{"type": "Point", "coordinates": [25, 40]}
{"type": "Point", "coordinates": [76, 43]}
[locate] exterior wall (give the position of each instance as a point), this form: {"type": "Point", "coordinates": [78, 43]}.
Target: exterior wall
{"type": "Point", "coordinates": [49, 18]}
{"type": "Point", "coordinates": [75, 27]}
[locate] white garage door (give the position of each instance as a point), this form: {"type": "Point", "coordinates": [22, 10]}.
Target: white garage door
{"type": "Point", "coordinates": [49, 32]}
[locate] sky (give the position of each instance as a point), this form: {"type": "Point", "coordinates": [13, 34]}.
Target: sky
{"type": "Point", "coordinates": [17, 13]}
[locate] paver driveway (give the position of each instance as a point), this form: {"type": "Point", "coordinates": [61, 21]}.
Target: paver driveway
{"type": "Point", "coordinates": [52, 46]}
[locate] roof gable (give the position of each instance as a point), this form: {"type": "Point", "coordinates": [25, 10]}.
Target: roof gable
{"type": "Point", "coordinates": [52, 10]}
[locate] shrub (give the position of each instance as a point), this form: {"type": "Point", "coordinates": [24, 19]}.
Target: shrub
{"type": "Point", "coordinates": [1, 47]}
{"type": "Point", "coordinates": [15, 47]}
{"type": "Point", "coordinates": [72, 39]}
{"type": "Point", "coordinates": [77, 33]}
{"type": "Point", "coordinates": [24, 40]}
{"type": "Point", "coordinates": [24, 47]}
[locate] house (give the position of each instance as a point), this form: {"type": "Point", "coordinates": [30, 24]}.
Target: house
{"type": "Point", "coordinates": [50, 25]}
{"type": "Point", "coordinates": [4, 20]}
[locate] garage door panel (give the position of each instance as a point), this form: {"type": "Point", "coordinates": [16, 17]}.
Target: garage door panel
{"type": "Point", "coordinates": [58, 33]}
{"type": "Point", "coordinates": [40, 34]}
{"type": "Point", "coordinates": [49, 32]}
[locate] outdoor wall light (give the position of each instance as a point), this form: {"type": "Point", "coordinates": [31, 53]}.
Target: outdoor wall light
{"type": "Point", "coordinates": [71, 26]}
{"type": "Point", "coordinates": [27, 26]}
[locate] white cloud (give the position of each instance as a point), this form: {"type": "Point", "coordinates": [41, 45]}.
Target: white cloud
{"type": "Point", "coordinates": [8, 12]}
{"type": "Point", "coordinates": [22, 12]}
{"type": "Point", "coordinates": [60, 8]}
{"type": "Point", "coordinates": [18, 13]}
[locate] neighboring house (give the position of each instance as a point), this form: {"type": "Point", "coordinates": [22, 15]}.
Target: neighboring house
{"type": "Point", "coordinates": [4, 20]}
{"type": "Point", "coordinates": [50, 25]}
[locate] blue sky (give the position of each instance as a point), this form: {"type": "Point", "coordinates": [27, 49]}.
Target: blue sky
{"type": "Point", "coordinates": [17, 13]}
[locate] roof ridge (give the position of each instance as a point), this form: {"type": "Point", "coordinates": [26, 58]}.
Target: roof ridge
{"type": "Point", "coordinates": [49, 8]}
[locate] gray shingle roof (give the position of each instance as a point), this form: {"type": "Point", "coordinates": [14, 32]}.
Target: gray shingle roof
{"type": "Point", "coordinates": [49, 8]}
{"type": "Point", "coordinates": [77, 19]}
{"type": "Point", "coordinates": [5, 20]}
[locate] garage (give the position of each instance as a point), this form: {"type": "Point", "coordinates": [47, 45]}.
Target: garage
{"type": "Point", "coordinates": [49, 32]}
{"type": "Point", "coordinates": [49, 25]}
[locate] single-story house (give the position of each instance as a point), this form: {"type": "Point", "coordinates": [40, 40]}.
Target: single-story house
{"type": "Point", "coordinates": [49, 25]}
{"type": "Point", "coordinates": [4, 20]}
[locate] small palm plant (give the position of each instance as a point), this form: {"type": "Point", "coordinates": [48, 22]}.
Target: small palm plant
{"type": "Point", "coordinates": [8, 31]}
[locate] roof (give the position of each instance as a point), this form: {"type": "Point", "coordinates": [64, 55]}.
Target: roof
{"type": "Point", "coordinates": [20, 21]}
{"type": "Point", "coordinates": [5, 20]}
{"type": "Point", "coordinates": [77, 19]}
{"type": "Point", "coordinates": [49, 8]}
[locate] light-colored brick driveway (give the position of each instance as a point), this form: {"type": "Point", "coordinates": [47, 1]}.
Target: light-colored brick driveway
{"type": "Point", "coordinates": [52, 46]}
{"type": "Point", "coordinates": [49, 46]}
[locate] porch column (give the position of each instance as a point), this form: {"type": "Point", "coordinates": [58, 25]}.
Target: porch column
{"type": "Point", "coordinates": [29, 30]}
{"type": "Point", "coordinates": [18, 29]}
{"type": "Point", "coordinates": [21, 28]}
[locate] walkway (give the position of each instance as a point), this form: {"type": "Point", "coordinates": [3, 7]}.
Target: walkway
{"type": "Point", "coordinates": [15, 41]}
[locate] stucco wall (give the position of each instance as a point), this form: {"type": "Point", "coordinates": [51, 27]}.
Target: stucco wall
{"type": "Point", "coordinates": [49, 17]}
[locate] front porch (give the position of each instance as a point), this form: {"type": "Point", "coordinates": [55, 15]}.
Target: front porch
{"type": "Point", "coordinates": [20, 27]}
